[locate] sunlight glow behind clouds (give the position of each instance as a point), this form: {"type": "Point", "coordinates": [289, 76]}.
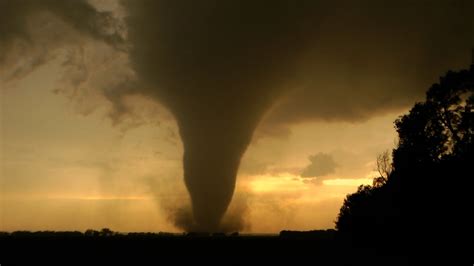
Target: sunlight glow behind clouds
{"type": "Point", "coordinates": [74, 172]}
{"type": "Point", "coordinates": [288, 183]}
{"type": "Point", "coordinates": [265, 183]}
{"type": "Point", "coordinates": [348, 182]}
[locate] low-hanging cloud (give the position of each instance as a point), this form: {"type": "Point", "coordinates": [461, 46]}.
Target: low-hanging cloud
{"type": "Point", "coordinates": [221, 66]}
{"type": "Point", "coordinates": [322, 164]}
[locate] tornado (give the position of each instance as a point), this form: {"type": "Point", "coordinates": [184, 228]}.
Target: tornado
{"type": "Point", "coordinates": [218, 66]}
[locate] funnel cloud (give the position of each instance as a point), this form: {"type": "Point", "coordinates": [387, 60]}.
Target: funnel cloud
{"type": "Point", "coordinates": [218, 66]}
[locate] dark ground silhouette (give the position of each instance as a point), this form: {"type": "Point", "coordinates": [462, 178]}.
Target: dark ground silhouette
{"type": "Point", "coordinates": [322, 247]}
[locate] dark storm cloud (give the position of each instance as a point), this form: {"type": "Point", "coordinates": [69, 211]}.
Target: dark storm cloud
{"type": "Point", "coordinates": [321, 164]}
{"type": "Point", "coordinates": [15, 14]}
{"type": "Point", "coordinates": [373, 57]}
{"type": "Point", "coordinates": [220, 65]}
{"type": "Point", "coordinates": [32, 31]}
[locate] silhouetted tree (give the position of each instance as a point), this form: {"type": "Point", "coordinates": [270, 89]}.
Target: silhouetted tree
{"type": "Point", "coordinates": [384, 168]}
{"type": "Point", "coordinates": [418, 195]}
{"type": "Point", "coordinates": [91, 233]}
{"type": "Point", "coordinates": [356, 211]}
{"type": "Point", "coordinates": [106, 232]}
{"type": "Point", "coordinates": [439, 127]}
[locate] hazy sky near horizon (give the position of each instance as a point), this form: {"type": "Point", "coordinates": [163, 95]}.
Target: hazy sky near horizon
{"type": "Point", "coordinates": [62, 170]}
{"type": "Point", "coordinates": [87, 141]}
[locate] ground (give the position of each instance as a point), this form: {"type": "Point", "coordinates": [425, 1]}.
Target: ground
{"type": "Point", "coordinates": [288, 248]}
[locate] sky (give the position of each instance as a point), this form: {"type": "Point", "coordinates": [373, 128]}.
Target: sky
{"type": "Point", "coordinates": [170, 116]}
{"type": "Point", "coordinates": [62, 170]}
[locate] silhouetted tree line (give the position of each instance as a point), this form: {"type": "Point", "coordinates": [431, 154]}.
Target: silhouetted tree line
{"type": "Point", "coordinates": [423, 198]}
{"type": "Point", "coordinates": [90, 233]}
{"type": "Point", "coordinates": [108, 247]}
{"type": "Point", "coordinates": [327, 235]}
{"type": "Point", "coordinates": [108, 233]}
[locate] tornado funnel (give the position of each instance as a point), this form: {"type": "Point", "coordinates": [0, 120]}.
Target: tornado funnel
{"type": "Point", "coordinates": [218, 66]}
{"type": "Point", "coordinates": [213, 144]}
